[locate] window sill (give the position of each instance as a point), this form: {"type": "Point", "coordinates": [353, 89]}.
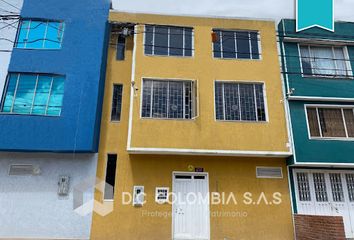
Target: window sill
{"type": "Point", "coordinates": [170, 119]}
{"type": "Point", "coordinates": [171, 56]}
{"type": "Point", "coordinates": [237, 59]}
{"type": "Point", "coordinates": [30, 115]}
{"type": "Point", "coordinates": [329, 77]}
{"type": "Point", "coordinates": [351, 139]}
{"type": "Point", "coordinates": [241, 121]}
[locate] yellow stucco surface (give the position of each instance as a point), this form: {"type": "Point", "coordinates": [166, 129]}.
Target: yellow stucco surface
{"type": "Point", "coordinates": [235, 175]}
{"type": "Point", "coordinates": [204, 132]}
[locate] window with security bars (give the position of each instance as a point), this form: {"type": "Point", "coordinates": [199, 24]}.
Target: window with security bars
{"type": "Point", "coordinates": [350, 185]}
{"type": "Point", "coordinates": [303, 186]}
{"type": "Point", "coordinates": [320, 187]}
{"type": "Point", "coordinates": [328, 122]}
{"type": "Point", "coordinates": [40, 34]}
{"type": "Point", "coordinates": [116, 102]}
{"type": "Point", "coordinates": [337, 187]}
{"type": "Point", "coordinates": [168, 99]}
{"type": "Point", "coordinates": [239, 101]}
{"type": "Point", "coordinates": [33, 94]}
{"type": "Point", "coordinates": [168, 41]}
{"type": "Point", "coordinates": [236, 44]}
{"type": "Point", "coordinates": [325, 61]}
{"type": "Point", "coordinates": [161, 194]}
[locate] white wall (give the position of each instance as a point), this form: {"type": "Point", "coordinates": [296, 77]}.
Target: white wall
{"type": "Point", "coordinates": [30, 206]}
{"type": "Point", "coordinates": [8, 32]}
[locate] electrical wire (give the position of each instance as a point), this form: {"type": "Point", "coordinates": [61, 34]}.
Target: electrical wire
{"type": "Point", "coordinates": [10, 4]}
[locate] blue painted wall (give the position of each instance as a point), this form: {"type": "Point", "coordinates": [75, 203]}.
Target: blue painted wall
{"type": "Point", "coordinates": [82, 60]}
{"type": "Point", "coordinates": [310, 150]}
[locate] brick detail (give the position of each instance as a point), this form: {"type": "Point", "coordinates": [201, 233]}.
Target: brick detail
{"type": "Point", "coordinates": [309, 227]}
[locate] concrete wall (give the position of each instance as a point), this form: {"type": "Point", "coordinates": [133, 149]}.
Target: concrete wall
{"type": "Point", "coordinates": [30, 205]}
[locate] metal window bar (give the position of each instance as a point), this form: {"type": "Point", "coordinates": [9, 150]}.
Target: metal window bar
{"type": "Point", "coordinates": [320, 187]}
{"type": "Point", "coordinates": [350, 186]}
{"type": "Point", "coordinates": [303, 186]}
{"type": "Point", "coordinates": [337, 187]}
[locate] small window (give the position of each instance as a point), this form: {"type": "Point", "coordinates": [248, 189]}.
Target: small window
{"type": "Point", "coordinates": [239, 102]}
{"type": "Point", "coordinates": [303, 186]}
{"type": "Point", "coordinates": [168, 99]}
{"type": "Point", "coordinates": [324, 61]}
{"type": "Point", "coordinates": [325, 122]}
{"type": "Point", "coordinates": [116, 102]}
{"type": "Point", "coordinates": [337, 187]}
{"type": "Point", "coordinates": [110, 176]}
{"type": "Point", "coordinates": [121, 47]}
{"type": "Point", "coordinates": [320, 187]}
{"type": "Point", "coordinates": [33, 94]}
{"type": "Point", "coordinates": [236, 44]}
{"type": "Point", "coordinates": [168, 41]}
{"type": "Point", "coordinates": [350, 185]}
{"type": "Point", "coordinates": [40, 34]}
{"type": "Point", "coordinates": [161, 195]}
{"type": "Point", "coordinates": [269, 172]}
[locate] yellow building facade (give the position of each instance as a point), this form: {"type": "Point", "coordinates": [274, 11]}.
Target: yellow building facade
{"type": "Point", "coordinates": [198, 114]}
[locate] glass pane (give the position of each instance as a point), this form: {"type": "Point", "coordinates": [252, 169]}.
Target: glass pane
{"type": "Point", "coordinates": [243, 45]}
{"type": "Point", "coordinates": [320, 187]}
{"type": "Point", "coordinates": [42, 94]}
{"type": "Point", "coordinates": [231, 98]}
{"type": "Point", "coordinates": [323, 63]}
{"type": "Point", "coordinates": [10, 92]}
{"type": "Point", "coordinates": [54, 35]}
{"type": "Point", "coordinates": [159, 99]}
{"type": "Point", "coordinates": [56, 96]}
{"type": "Point", "coordinates": [228, 44]}
{"type": "Point", "coordinates": [146, 104]}
{"type": "Point", "coordinates": [349, 120]}
{"type": "Point", "coordinates": [337, 187]}
{"type": "Point", "coordinates": [261, 114]}
{"type": "Point", "coordinates": [219, 101]}
{"type": "Point", "coordinates": [217, 45]}
{"type": "Point", "coordinates": [36, 34]}
{"type": "Point", "coordinates": [120, 48]}
{"type": "Point", "coordinates": [350, 185]}
{"type": "Point", "coordinates": [175, 101]}
{"type": "Point", "coordinates": [25, 93]}
{"type": "Point", "coordinates": [161, 40]}
{"type": "Point", "coordinates": [188, 41]}
{"type": "Point", "coordinates": [247, 102]}
{"type": "Point", "coordinates": [305, 60]}
{"type": "Point", "coordinates": [254, 45]}
{"type": "Point", "coordinates": [313, 122]}
{"type": "Point", "coordinates": [176, 41]}
{"type": "Point", "coordinates": [188, 100]}
{"type": "Point", "coordinates": [331, 121]}
{"type": "Point", "coordinates": [341, 62]}
{"type": "Point", "coordinates": [116, 102]}
{"type": "Point", "coordinates": [303, 187]}
{"type": "Point", "coordinates": [148, 39]}
{"type": "Point", "coordinates": [22, 34]}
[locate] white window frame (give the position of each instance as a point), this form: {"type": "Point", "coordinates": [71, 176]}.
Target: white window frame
{"type": "Point", "coordinates": [235, 38]}
{"type": "Point", "coordinates": [195, 104]}
{"type": "Point", "coordinates": [346, 58]}
{"type": "Point", "coordinates": [341, 107]}
{"type": "Point", "coordinates": [243, 82]}
{"type": "Point", "coordinates": [169, 37]}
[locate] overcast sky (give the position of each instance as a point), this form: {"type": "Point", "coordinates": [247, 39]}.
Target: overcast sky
{"type": "Point", "coordinates": [265, 9]}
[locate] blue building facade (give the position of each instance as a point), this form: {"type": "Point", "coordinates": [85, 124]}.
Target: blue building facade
{"type": "Point", "coordinates": [318, 77]}
{"type": "Point", "coordinates": [50, 119]}
{"type": "Point", "coordinates": [53, 95]}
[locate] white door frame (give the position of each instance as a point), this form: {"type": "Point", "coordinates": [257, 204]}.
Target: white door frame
{"type": "Point", "coordinates": [206, 174]}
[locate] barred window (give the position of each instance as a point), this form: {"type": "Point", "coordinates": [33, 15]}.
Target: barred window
{"type": "Point", "coordinates": [168, 41]}
{"type": "Point", "coordinates": [330, 122]}
{"type": "Point", "coordinates": [325, 61]}
{"type": "Point", "coordinates": [168, 99]}
{"type": "Point", "coordinates": [337, 187]}
{"type": "Point", "coordinates": [116, 102]}
{"type": "Point", "coordinates": [236, 44]}
{"type": "Point", "coordinates": [303, 186]}
{"type": "Point", "coordinates": [320, 187]}
{"type": "Point", "coordinates": [239, 102]}
{"type": "Point", "coordinates": [33, 94]}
